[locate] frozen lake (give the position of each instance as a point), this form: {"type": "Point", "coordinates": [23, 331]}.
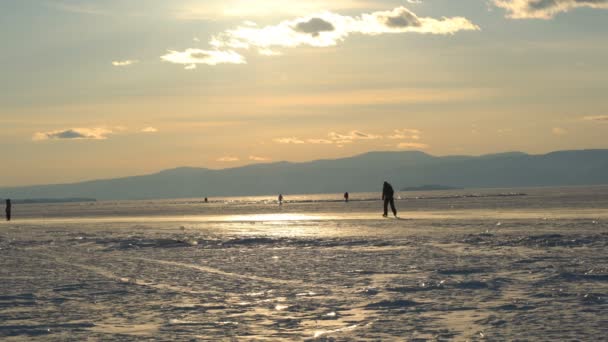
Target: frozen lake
{"type": "Point", "coordinates": [498, 264]}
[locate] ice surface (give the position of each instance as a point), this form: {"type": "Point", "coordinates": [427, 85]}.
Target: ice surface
{"type": "Point", "coordinates": [312, 269]}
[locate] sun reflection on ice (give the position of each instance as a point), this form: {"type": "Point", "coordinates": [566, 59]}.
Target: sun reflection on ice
{"type": "Point", "coordinates": [272, 218]}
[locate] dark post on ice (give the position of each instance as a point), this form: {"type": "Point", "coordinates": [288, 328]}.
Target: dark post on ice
{"type": "Point", "coordinates": [8, 209]}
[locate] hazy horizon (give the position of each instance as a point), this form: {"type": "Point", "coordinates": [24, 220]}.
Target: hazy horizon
{"type": "Point", "coordinates": [253, 163]}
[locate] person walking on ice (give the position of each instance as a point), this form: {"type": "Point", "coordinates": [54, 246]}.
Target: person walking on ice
{"type": "Point", "coordinates": [388, 197]}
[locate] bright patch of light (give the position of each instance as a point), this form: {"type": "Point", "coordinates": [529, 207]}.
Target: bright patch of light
{"type": "Point", "coordinates": [191, 57]}
{"type": "Point", "coordinates": [272, 218]}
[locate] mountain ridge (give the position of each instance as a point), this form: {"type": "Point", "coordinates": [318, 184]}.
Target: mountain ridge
{"type": "Point", "coordinates": [361, 172]}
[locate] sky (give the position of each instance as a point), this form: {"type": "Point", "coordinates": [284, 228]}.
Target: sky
{"type": "Point", "coordinates": [95, 89]}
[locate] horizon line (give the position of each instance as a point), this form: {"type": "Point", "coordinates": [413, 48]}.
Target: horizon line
{"type": "Point", "coordinates": [294, 162]}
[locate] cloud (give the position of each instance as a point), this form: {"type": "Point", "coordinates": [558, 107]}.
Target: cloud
{"type": "Point", "coordinates": [314, 26]}
{"type": "Point", "coordinates": [332, 138]}
{"type": "Point", "coordinates": [290, 140]}
{"type": "Point", "coordinates": [320, 30]}
{"type": "Point", "coordinates": [319, 141]}
{"type": "Point", "coordinates": [125, 63]}
{"type": "Point", "coordinates": [544, 9]}
{"type": "Point", "coordinates": [228, 159]}
{"type": "Point", "coordinates": [191, 57]}
{"type": "Point", "coordinates": [411, 134]}
{"type": "Point", "coordinates": [149, 130]}
{"type": "Point", "coordinates": [596, 118]}
{"type": "Point", "coordinates": [412, 146]}
{"type": "Point", "coordinates": [74, 134]}
{"type": "Point", "coordinates": [256, 158]}
{"type": "Point", "coordinates": [559, 131]}
{"type": "Point", "coordinates": [340, 140]}
{"type": "Point", "coordinates": [405, 133]}
{"type": "Point", "coordinates": [402, 19]}
{"type": "Point", "coordinates": [328, 29]}
{"type": "Point", "coordinates": [350, 137]}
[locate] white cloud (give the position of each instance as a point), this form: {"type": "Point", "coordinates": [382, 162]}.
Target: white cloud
{"type": "Point", "coordinates": [410, 134]}
{"type": "Point", "coordinates": [559, 131]}
{"type": "Point", "coordinates": [149, 130]}
{"type": "Point", "coordinates": [596, 118]}
{"type": "Point", "coordinates": [74, 134]}
{"type": "Point", "coordinates": [125, 63]}
{"type": "Point", "coordinates": [228, 159]}
{"type": "Point", "coordinates": [336, 138]}
{"type": "Point", "coordinates": [350, 137]}
{"type": "Point", "coordinates": [257, 158]}
{"type": "Point", "coordinates": [406, 133]}
{"type": "Point", "coordinates": [191, 57]}
{"type": "Point", "coordinates": [290, 140]}
{"type": "Point", "coordinates": [341, 139]}
{"type": "Point", "coordinates": [321, 30]}
{"type": "Point", "coordinates": [328, 29]}
{"type": "Point", "coordinates": [412, 146]}
{"type": "Point", "coordinates": [319, 141]}
{"type": "Point", "coordinates": [545, 9]}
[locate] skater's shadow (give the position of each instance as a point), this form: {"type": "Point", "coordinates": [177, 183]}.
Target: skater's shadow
{"type": "Point", "coordinates": [398, 218]}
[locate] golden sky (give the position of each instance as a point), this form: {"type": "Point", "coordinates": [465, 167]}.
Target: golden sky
{"type": "Point", "coordinates": [100, 89]}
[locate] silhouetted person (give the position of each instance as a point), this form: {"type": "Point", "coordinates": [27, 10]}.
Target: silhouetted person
{"type": "Point", "coordinates": [387, 196]}
{"type": "Point", "coordinates": [346, 196]}
{"type": "Point", "coordinates": [280, 199]}
{"type": "Point", "coordinates": [206, 200]}
{"type": "Point", "coordinates": [8, 209]}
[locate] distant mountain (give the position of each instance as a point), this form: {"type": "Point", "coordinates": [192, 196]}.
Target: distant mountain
{"type": "Point", "coordinates": [364, 172]}
{"type": "Point", "coordinates": [52, 200]}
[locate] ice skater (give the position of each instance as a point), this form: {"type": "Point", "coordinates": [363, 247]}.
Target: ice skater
{"type": "Point", "coordinates": [346, 196]}
{"type": "Point", "coordinates": [8, 209]}
{"type": "Point", "coordinates": [387, 197]}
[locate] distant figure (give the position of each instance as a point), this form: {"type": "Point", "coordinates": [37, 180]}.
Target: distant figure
{"type": "Point", "coordinates": [387, 196]}
{"type": "Point", "coordinates": [346, 196]}
{"type": "Point", "coordinates": [280, 199]}
{"type": "Point", "coordinates": [8, 209]}
{"type": "Point", "coordinates": [206, 200]}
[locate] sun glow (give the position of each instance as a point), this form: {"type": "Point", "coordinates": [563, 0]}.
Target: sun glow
{"type": "Point", "coordinates": [263, 8]}
{"type": "Point", "coordinates": [272, 218]}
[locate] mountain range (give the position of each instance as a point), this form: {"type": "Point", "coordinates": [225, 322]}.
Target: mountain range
{"type": "Point", "coordinates": [364, 172]}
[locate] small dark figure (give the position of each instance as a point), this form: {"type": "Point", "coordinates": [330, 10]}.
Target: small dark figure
{"type": "Point", "coordinates": [8, 209]}
{"type": "Point", "coordinates": [280, 199]}
{"type": "Point", "coordinates": [206, 200]}
{"type": "Point", "coordinates": [346, 196]}
{"type": "Point", "coordinates": [387, 196]}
